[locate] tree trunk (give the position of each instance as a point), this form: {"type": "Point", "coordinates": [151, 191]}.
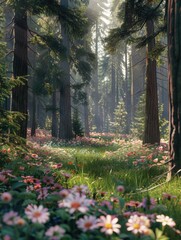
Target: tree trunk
{"type": "Point", "coordinates": [151, 131]}
{"type": "Point", "coordinates": [113, 89]}
{"type": "Point", "coordinates": [96, 84]}
{"type": "Point", "coordinates": [86, 114]}
{"type": "Point", "coordinates": [34, 122]}
{"type": "Point", "coordinates": [20, 69]}
{"type": "Point", "coordinates": [174, 72]}
{"type": "Point", "coordinates": [54, 115]}
{"type": "Point", "coordinates": [65, 131]}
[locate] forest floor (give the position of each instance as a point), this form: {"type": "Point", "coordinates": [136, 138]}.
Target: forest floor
{"type": "Point", "coordinates": [115, 169]}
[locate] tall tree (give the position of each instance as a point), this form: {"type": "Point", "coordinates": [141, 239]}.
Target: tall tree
{"type": "Point", "coordinates": [65, 131]}
{"type": "Point", "coordinates": [138, 14]}
{"type": "Point", "coordinates": [174, 67]}
{"type": "Point", "coordinates": [151, 131]}
{"type": "Point", "coordinates": [20, 68]}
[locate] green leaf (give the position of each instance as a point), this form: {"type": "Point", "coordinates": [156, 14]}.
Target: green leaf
{"type": "Point", "coordinates": [18, 185]}
{"type": "Point", "coordinates": [123, 235]}
{"type": "Point", "coordinates": [121, 202]}
{"type": "Point", "coordinates": [63, 214]}
{"type": "Point", "coordinates": [158, 233]}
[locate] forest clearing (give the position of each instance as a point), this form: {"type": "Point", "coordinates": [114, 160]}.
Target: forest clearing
{"type": "Point", "coordinates": [90, 130]}
{"type": "Point", "coordinates": [87, 179]}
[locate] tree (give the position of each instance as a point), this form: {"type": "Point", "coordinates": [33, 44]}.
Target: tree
{"type": "Point", "coordinates": [174, 67]}
{"type": "Point", "coordinates": [151, 127]}
{"type": "Point", "coordinates": [137, 15]}
{"type": "Point", "coordinates": [20, 68]}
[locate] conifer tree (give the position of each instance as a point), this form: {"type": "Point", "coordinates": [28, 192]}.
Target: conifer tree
{"type": "Point", "coordinates": [139, 14]}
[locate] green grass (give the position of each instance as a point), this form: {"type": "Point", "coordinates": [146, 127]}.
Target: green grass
{"type": "Point", "coordinates": [105, 164]}
{"type": "Point", "coordinates": [102, 168]}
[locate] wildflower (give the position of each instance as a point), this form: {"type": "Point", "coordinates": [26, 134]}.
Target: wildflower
{"type": "Point", "coordinates": [48, 180]}
{"type": "Point", "coordinates": [29, 188]}
{"type": "Point", "coordinates": [167, 196]}
{"type": "Point", "coordinates": [6, 237]}
{"type": "Point", "coordinates": [138, 224]}
{"type": "Point", "coordinates": [27, 157]}
{"type": "Point", "coordinates": [33, 155]}
{"type": "Point", "coordinates": [57, 166]}
{"type": "Point", "coordinates": [28, 179]}
{"type": "Point", "coordinates": [109, 224]}
{"type": "Point", "coordinates": [3, 178]}
{"type": "Point", "coordinates": [133, 204]}
{"type": "Point", "coordinates": [64, 193]}
{"type": "Point", "coordinates": [37, 186]}
{"type": "Point", "coordinates": [70, 163]}
{"type": "Point", "coordinates": [6, 197]}
{"type": "Point", "coordinates": [107, 204]}
{"type": "Point", "coordinates": [75, 202]}
{"type": "Point", "coordinates": [87, 223]}
{"type": "Point", "coordinates": [66, 175]}
{"type": "Point", "coordinates": [120, 188]}
{"type": "Point", "coordinates": [19, 221]}
{"type": "Point", "coordinates": [148, 203]}
{"type": "Point", "coordinates": [165, 220]}
{"type": "Point", "coordinates": [43, 193]}
{"type": "Point", "coordinates": [10, 217]}
{"type": "Point", "coordinates": [56, 186]}
{"type": "Point", "coordinates": [82, 189]}
{"type": "Point", "coordinates": [37, 213]}
{"type": "Point", "coordinates": [55, 233]}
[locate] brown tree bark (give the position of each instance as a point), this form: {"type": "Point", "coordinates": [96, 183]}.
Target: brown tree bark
{"type": "Point", "coordinates": [20, 69]}
{"type": "Point", "coordinates": [65, 131]}
{"type": "Point", "coordinates": [54, 114]}
{"type": "Point", "coordinates": [34, 122]}
{"type": "Point", "coordinates": [174, 73]}
{"type": "Point", "coordinates": [151, 131]}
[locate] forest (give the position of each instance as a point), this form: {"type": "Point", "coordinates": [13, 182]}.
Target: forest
{"type": "Point", "coordinates": [90, 130]}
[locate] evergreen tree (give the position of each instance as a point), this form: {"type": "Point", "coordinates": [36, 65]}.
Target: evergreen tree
{"type": "Point", "coordinates": [77, 127]}
{"type": "Point", "coordinates": [120, 114]}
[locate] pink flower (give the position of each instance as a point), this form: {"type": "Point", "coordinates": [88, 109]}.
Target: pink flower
{"type": "Point", "coordinates": [37, 214]}
{"type": "Point", "coordinates": [168, 196]}
{"type": "Point", "coordinates": [120, 188]}
{"type": "Point", "coordinates": [56, 186]}
{"type": "Point", "coordinates": [43, 193]}
{"type": "Point", "coordinates": [19, 221]}
{"type": "Point", "coordinates": [57, 166]}
{"type": "Point", "coordinates": [21, 168]}
{"type": "Point", "coordinates": [10, 218]}
{"type": "Point", "coordinates": [6, 237]}
{"type": "Point", "coordinates": [55, 233]}
{"type": "Point", "coordinates": [6, 197]}
{"type": "Point", "coordinates": [27, 157]}
{"type": "Point", "coordinates": [148, 203]}
{"type": "Point", "coordinates": [165, 220]}
{"type": "Point", "coordinates": [87, 223]}
{"type": "Point", "coordinates": [3, 178]}
{"type": "Point", "coordinates": [76, 202]}
{"type": "Point", "coordinates": [33, 155]}
{"type": "Point", "coordinates": [109, 225]}
{"type": "Point", "coordinates": [82, 189]}
{"type": "Point", "coordinates": [48, 180]}
{"type": "Point", "coordinates": [64, 193]}
{"type": "Point", "coordinates": [138, 224]}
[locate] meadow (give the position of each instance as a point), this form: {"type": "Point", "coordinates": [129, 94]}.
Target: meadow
{"type": "Point", "coordinates": [102, 187]}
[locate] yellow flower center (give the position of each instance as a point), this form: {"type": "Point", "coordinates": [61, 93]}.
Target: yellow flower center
{"type": "Point", "coordinates": [108, 225]}
{"type": "Point", "coordinates": [136, 226]}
